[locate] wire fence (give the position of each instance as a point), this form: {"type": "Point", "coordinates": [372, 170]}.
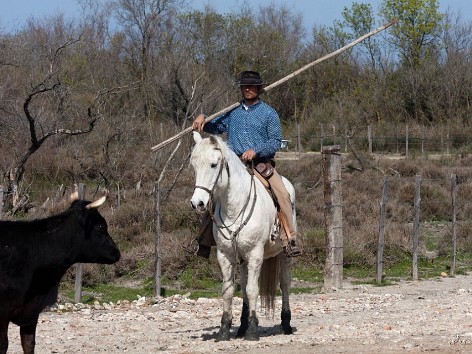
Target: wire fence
{"type": "Point", "coordinates": [410, 141]}
{"type": "Point", "coordinates": [426, 219]}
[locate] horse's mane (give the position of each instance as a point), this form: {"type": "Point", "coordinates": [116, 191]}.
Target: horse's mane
{"type": "Point", "coordinates": [228, 154]}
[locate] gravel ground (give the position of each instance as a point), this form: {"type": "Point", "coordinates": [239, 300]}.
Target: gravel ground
{"type": "Point", "coordinates": [409, 317]}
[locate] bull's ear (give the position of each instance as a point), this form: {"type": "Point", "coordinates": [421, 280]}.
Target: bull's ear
{"type": "Point", "coordinates": [197, 137]}
{"type": "Point", "coordinates": [96, 203]}
{"type": "Point", "coordinates": [74, 196]}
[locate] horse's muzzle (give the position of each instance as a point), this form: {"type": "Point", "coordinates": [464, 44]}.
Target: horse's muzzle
{"type": "Point", "coordinates": [200, 207]}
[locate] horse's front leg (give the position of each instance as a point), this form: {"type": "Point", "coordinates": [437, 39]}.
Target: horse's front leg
{"type": "Point", "coordinates": [252, 291]}
{"type": "Point", "coordinates": [285, 279]}
{"type": "Point", "coordinates": [227, 294]}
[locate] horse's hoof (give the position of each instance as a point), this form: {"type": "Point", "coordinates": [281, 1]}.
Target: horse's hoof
{"type": "Point", "coordinates": [286, 316]}
{"type": "Point", "coordinates": [252, 333]}
{"type": "Point", "coordinates": [287, 329]}
{"type": "Point", "coordinates": [223, 334]}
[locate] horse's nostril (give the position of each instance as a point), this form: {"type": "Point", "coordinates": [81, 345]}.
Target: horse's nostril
{"type": "Point", "coordinates": [193, 206]}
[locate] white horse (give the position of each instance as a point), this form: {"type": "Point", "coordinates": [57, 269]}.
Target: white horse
{"type": "Point", "coordinates": [244, 217]}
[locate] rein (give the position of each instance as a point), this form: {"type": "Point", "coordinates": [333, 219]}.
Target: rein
{"type": "Point", "coordinates": [233, 234]}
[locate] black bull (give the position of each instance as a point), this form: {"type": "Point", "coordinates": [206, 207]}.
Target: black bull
{"type": "Point", "coordinates": [34, 255]}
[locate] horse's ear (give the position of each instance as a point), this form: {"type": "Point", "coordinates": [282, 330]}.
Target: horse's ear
{"type": "Point", "coordinates": [196, 136]}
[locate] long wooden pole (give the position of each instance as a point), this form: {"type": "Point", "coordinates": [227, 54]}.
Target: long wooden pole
{"type": "Point", "coordinates": [277, 83]}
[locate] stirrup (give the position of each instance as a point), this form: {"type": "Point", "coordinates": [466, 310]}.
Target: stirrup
{"type": "Point", "coordinates": [292, 249]}
{"type": "Point", "coordinates": [192, 247]}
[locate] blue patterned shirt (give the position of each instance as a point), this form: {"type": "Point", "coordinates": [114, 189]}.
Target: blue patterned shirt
{"type": "Point", "coordinates": [254, 127]}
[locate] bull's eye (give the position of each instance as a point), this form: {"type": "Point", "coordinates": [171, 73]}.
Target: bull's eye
{"type": "Point", "coordinates": [213, 165]}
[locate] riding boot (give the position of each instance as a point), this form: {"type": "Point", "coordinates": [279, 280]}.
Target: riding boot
{"type": "Point", "coordinates": [288, 237]}
{"type": "Point", "coordinates": [201, 245]}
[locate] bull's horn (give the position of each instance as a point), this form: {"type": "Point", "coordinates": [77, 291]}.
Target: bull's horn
{"type": "Point", "coordinates": [96, 203]}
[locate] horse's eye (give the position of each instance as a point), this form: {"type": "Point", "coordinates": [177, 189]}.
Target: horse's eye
{"type": "Point", "coordinates": [213, 165]}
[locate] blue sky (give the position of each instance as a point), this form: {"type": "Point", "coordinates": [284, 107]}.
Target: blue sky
{"type": "Point", "coordinates": [14, 13]}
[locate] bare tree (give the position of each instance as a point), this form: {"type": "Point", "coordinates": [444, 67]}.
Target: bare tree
{"type": "Point", "coordinates": [147, 25]}
{"type": "Point", "coordinates": [456, 93]}
{"type": "Point", "coordinates": [40, 131]}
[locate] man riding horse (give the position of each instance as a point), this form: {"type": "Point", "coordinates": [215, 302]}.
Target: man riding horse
{"type": "Point", "coordinates": [254, 134]}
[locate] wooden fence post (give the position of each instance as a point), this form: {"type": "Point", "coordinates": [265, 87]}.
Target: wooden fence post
{"type": "Point", "coordinates": [79, 266]}
{"type": "Point", "coordinates": [380, 248]}
{"type": "Point", "coordinates": [333, 272]}
{"type": "Point", "coordinates": [157, 249]}
{"type": "Point", "coordinates": [416, 226]}
{"type": "Point", "coordinates": [454, 223]}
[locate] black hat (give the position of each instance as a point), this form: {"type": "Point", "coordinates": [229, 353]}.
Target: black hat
{"type": "Point", "coordinates": [250, 78]}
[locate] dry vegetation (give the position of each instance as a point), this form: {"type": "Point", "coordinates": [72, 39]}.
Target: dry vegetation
{"type": "Point", "coordinates": [133, 223]}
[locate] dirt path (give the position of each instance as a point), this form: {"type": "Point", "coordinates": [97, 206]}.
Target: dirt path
{"type": "Point", "coordinates": [410, 317]}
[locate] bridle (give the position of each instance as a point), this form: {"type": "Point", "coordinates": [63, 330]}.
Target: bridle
{"type": "Point", "coordinates": [233, 234]}
{"type": "Point", "coordinates": [210, 191]}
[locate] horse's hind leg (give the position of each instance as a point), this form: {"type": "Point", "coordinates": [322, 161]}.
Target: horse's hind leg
{"type": "Point", "coordinates": [227, 294]}
{"type": "Point", "coordinates": [245, 310]}
{"type": "Point", "coordinates": [285, 281]}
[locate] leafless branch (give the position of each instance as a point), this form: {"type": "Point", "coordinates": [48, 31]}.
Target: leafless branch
{"type": "Point", "coordinates": [362, 161]}
{"type": "Point", "coordinates": [358, 158]}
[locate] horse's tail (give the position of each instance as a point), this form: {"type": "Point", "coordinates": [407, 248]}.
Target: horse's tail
{"type": "Point", "coordinates": [268, 282]}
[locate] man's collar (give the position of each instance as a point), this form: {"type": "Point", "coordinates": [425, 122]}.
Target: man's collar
{"type": "Point", "coordinates": [246, 106]}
